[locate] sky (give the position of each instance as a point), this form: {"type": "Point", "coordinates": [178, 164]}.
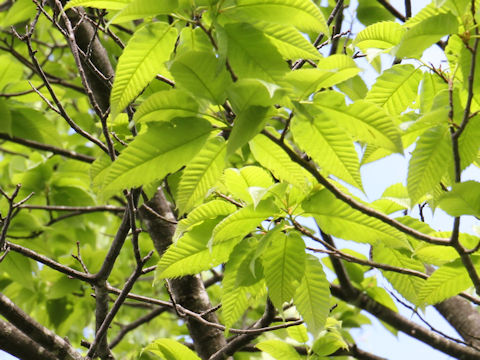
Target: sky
{"type": "Point", "coordinates": [376, 177]}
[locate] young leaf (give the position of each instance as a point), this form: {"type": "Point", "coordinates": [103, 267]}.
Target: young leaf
{"type": "Point", "coordinates": [446, 281]}
{"type": "Point", "coordinates": [426, 33]}
{"type": "Point", "coordinates": [234, 297]}
{"type": "Point", "coordinates": [304, 15]}
{"type": "Point", "coordinates": [338, 219]}
{"type": "Point", "coordinates": [430, 161]}
{"type": "Point", "coordinates": [191, 254]}
{"type": "Point", "coordinates": [271, 156]}
{"type": "Point", "coordinates": [98, 4]}
{"type": "Point", "coordinates": [201, 174]}
{"type": "Point", "coordinates": [329, 71]}
{"type": "Point", "coordinates": [171, 350]}
{"type": "Point", "coordinates": [371, 11]}
{"type": "Point", "coordinates": [279, 349]}
{"type": "Point", "coordinates": [288, 41]}
{"type": "Point", "coordinates": [362, 120]}
{"type": "Point", "coordinates": [327, 143]}
{"type": "Point", "coordinates": [469, 142]}
{"type": "Point", "coordinates": [209, 210]}
{"type": "Point", "coordinates": [199, 73]}
{"type": "Point", "coordinates": [166, 105]}
{"type": "Point", "coordinates": [243, 221]}
{"type": "Point", "coordinates": [143, 58]}
{"type": "Point", "coordinates": [29, 123]}
{"type": "Point", "coordinates": [312, 297]}
{"type": "Point", "coordinates": [408, 286]}
{"type": "Point", "coordinates": [247, 124]}
{"type": "Point", "coordinates": [354, 88]}
{"type": "Point", "coordinates": [396, 88]}
{"type": "Point", "coordinates": [463, 199]}
{"type": "Point", "coordinates": [238, 182]}
{"type": "Point", "coordinates": [251, 54]}
{"type": "Point", "coordinates": [165, 148]}
{"type": "Point", "coordinates": [140, 9]}
{"type": "Point", "coordinates": [284, 265]}
{"type": "Point", "coordinates": [381, 35]}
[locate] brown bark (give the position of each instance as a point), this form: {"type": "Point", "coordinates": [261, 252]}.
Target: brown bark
{"type": "Point", "coordinates": [187, 291]}
{"type": "Point", "coordinates": [363, 301]}
{"type": "Point", "coordinates": [15, 342]}
{"type": "Point", "coordinates": [463, 317]}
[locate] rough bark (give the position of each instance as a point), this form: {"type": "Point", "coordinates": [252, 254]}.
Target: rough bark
{"type": "Point", "coordinates": [85, 37]}
{"type": "Point", "coordinates": [15, 342]}
{"type": "Point", "coordinates": [463, 317]}
{"type": "Point", "coordinates": [28, 327]}
{"type": "Point", "coordinates": [187, 291]}
{"type": "Point", "coordinates": [363, 301]}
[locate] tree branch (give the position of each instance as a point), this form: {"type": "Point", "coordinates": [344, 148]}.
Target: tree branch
{"type": "Point", "coordinates": [46, 147]}
{"type": "Point", "coordinates": [351, 201]}
{"type": "Point", "coordinates": [363, 301]}
{"type": "Point", "coordinates": [59, 348]}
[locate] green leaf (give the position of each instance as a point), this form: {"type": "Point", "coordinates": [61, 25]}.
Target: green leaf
{"type": "Point", "coordinates": [363, 120]}
{"type": "Point", "coordinates": [21, 10]}
{"type": "Point", "coordinates": [329, 71]}
{"type": "Point", "coordinates": [251, 54]}
{"type": "Point", "coordinates": [430, 160]}
{"type": "Point", "coordinates": [191, 254]}
{"type": "Point", "coordinates": [371, 11]}
{"type": "Point", "coordinates": [31, 124]}
{"type": "Point", "coordinates": [250, 99]}
{"type": "Point", "coordinates": [469, 142]}
{"type": "Point", "coordinates": [426, 33]}
{"type": "Point", "coordinates": [140, 9]}
{"type": "Point", "coordinates": [143, 58]}
{"type": "Point", "coordinates": [338, 219]}
{"type": "Point", "coordinates": [163, 149]}
{"type": "Point", "coordinates": [354, 88]}
{"type": "Point", "coordinates": [199, 73]}
{"type": "Point", "coordinates": [234, 296]}
{"type": "Point", "coordinates": [288, 41]}
{"type": "Point", "coordinates": [463, 199]}
{"type": "Point", "coordinates": [284, 265]}
{"type": "Point", "coordinates": [166, 105]}
{"type": "Point", "coordinates": [98, 4]}
{"type": "Point", "coordinates": [298, 333]}
{"type": "Point", "coordinates": [167, 349]}
{"type": "Point", "coordinates": [407, 285]}
{"type": "Point", "coordinates": [271, 156]}
{"type": "Point", "coordinates": [245, 93]}
{"type": "Point", "coordinates": [19, 268]}
{"type": "Point", "coordinates": [327, 144]}
{"type": "Point", "coordinates": [279, 349]}
{"type": "Point", "coordinates": [238, 182]}
{"type": "Point", "coordinates": [427, 12]}
{"type": "Point", "coordinates": [312, 297]}
{"type": "Point", "coordinates": [11, 71]}
{"type": "Point", "coordinates": [243, 221]}
{"type": "Point", "coordinates": [5, 117]}
{"type": "Point", "coordinates": [447, 281]}
{"type": "Point", "coordinates": [247, 124]}
{"type": "Point", "coordinates": [394, 198]}
{"type": "Point", "coordinates": [201, 174]}
{"type": "Point", "coordinates": [207, 211]}
{"type": "Point", "coordinates": [304, 15]}
{"type": "Point", "coordinates": [329, 343]}
{"type": "Point", "coordinates": [431, 87]}
{"type": "Point", "coordinates": [381, 295]}
{"type": "Point", "coordinates": [382, 35]}
{"type": "Point", "coordinates": [396, 88]}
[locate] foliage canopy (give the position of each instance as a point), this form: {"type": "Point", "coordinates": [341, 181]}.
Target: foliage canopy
{"type": "Point", "coordinates": [232, 134]}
